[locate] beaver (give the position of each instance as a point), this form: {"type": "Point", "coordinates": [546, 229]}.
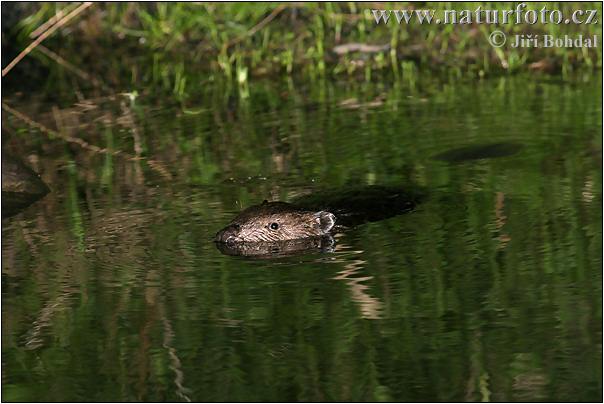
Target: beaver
{"type": "Point", "coordinates": [316, 215]}
{"type": "Point", "coordinates": [276, 221]}
{"type": "Point", "coordinates": [277, 249]}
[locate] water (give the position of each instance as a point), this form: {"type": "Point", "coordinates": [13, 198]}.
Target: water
{"type": "Point", "coordinates": [112, 288]}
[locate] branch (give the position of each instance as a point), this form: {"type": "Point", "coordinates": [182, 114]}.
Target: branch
{"type": "Point", "coordinates": [45, 35]}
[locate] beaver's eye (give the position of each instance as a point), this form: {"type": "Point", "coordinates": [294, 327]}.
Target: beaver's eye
{"type": "Point", "coordinates": [274, 225]}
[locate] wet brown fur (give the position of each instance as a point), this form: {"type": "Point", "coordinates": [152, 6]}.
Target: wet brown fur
{"type": "Point", "coordinates": [254, 224]}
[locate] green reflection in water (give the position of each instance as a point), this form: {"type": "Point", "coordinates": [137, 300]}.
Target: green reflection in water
{"type": "Point", "coordinates": [490, 290]}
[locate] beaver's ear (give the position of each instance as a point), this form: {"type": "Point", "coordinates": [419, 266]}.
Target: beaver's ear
{"type": "Point", "coordinates": [325, 220]}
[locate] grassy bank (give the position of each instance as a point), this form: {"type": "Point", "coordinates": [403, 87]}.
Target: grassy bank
{"type": "Point", "coordinates": [176, 46]}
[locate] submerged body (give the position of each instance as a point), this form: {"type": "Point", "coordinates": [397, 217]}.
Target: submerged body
{"type": "Point", "coordinates": [315, 216]}
{"type": "Point", "coordinates": [276, 249]}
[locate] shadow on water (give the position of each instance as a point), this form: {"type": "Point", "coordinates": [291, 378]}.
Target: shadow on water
{"type": "Point", "coordinates": [478, 152]}
{"type": "Point", "coordinates": [21, 186]}
{"type": "Point", "coordinates": [488, 290]}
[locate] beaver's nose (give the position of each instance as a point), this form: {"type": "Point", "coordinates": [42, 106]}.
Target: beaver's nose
{"type": "Point", "coordinates": [228, 234]}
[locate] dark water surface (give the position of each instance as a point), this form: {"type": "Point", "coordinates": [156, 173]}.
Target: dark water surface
{"type": "Point", "coordinates": [112, 288]}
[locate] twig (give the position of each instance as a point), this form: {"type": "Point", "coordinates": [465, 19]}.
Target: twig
{"type": "Point", "coordinates": [51, 21]}
{"type": "Point", "coordinates": [44, 129]}
{"type": "Point", "coordinates": [258, 26]}
{"type": "Point", "coordinates": [67, 65]}
{"type": "Point", "coordinates": [154, 164]}
{"type": "Point", "coordinates": [45, 35]}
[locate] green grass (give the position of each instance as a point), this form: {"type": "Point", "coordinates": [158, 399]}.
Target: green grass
{"type": "Point", "coordinates": [176, 46]}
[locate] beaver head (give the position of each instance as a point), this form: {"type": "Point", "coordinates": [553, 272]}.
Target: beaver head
{"type": "Point", "coordinates": [276, 221]}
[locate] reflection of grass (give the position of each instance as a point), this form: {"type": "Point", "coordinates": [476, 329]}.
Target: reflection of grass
{"type": "Point", "coordinates": [74, 209]}
{"type": "Point", "coordinates": [491, 290]}
{"type": "Point", "coordinates": [241, 40]}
